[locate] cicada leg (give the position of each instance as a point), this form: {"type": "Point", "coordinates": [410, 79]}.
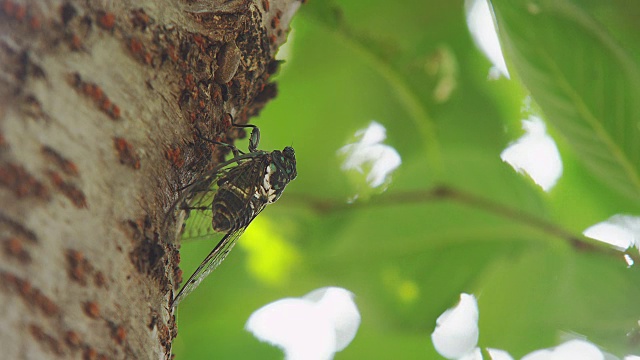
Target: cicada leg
{"type": "Point", "coordinates": [236, 152]}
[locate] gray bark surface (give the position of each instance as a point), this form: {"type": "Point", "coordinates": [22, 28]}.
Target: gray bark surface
{"type": "Point", "coordinates": [99, 106]}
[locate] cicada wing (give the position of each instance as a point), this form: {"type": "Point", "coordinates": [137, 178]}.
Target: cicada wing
{"type": "Point", "coordinates": [200, 196]}
{"type": "Point", "coordinates": [196, 200]}
{"type": "Point", "coordinates": [215, 257]}
{"type": "Point", "coordinates": [197, 225]}
{"type": "Point", "coordinates": [211, 262]}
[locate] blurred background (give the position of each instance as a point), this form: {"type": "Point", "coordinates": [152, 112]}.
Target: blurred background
{"type": "Point", "coordinates": [406, 195]}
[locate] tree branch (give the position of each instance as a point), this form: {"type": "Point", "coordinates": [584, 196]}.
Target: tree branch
{"type": "Point", "coordinates": [464, 198]}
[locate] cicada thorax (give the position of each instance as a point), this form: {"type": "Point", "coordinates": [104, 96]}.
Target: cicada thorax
{"type": "Point", "coordinates": [282, 170]}
{"type": "Point", "coordinates": [246, 189]}
{"type": "Point", "coordinates": [236, 190]}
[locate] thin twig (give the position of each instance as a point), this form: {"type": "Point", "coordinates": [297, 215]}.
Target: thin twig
{"type": "Point", "coordinates": [446, 193]}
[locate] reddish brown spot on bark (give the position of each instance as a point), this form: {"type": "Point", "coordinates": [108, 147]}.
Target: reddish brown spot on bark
{"type": "Point", "coordinates": [88, 89]}
{"type": "Point", "coordinates": [272, 39]}
{"type": "Point", "coordinates": [45, 304]}
{"type": "Point", "coordinates": [35, 23]}
{"type": "Point", "coordinates": [29, 294]}
{"type": "Point", "coordinates": [60, 161]}
{"type": "Point", "coordinates": [75, 43]}
{"type": "Point", "coordinates": [21, 12]}
{"type": "Point", "coordinates": [148, 58]}
{"type": "Point", "coordinates": [45, 339]}
{"type": "Point", "coordinates": [198, 40]}
{"type": "Point", "coordinates": [114, 112]}
{"type": "Point", "coordinates": [275, 23]}
{"type": "Point", "coordinates": [18, 229]}
{"type": "Point", "coordinates": [97, 94]}
{"type": "Point", "coordinates": [105, 105]}
{"type": "Point", "coordinates": [8, 280]}
{"type": "Point", "coordinates": [120, 334]}
{"type": "Point", "coordinates": [171, 53]}
{"type": "Point", "coordinates": [127, 153]}
{"type": "Point", "coordinates": [265, 5]}
{"type": "Point", "coordinates": [90, 354]}
{"type": "Point", "coordinates": [177, 278]}
{"type": "Point", "coordinates": [135, 46]}
{"type": "Point", "coordinates": [17, 179]}
{"type": "Point", "coordinates": [100, 279]}
{"type": "Point", "coordinates": [68, 189]}
{"type": "Point", "coordinates": [140, 19]}
{"type": "Point", "coordinates": [173, 154]}
{"type": "Point", "coordinates": [79, 267]}
{"type": "Point", "coordinates": [94, 92]}
{"type": "Point", "coordinates": [14, 247]}
{"type": "Point", "coordinates": [106, 20]}
{"type": "Point", "coordinates": [37, 332]}
{"type": "Point", "coordinates": [72, 339]}
{"type": "Point", "coordinates": [24, 288]}
{"type": "Point", "coordinates": [9, 8]}
{"type": "Point", "coordinates": [92, 309]}
{"type": "Point", "coordinates": [188, 81]}
{"type": "Point", "coordinates": [217, 95]}
{"type": "Point", "coordinates": [163, 335]}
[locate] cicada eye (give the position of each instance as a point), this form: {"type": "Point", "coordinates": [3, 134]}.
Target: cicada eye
{"type": "Point", "coordinates": [289, 153]}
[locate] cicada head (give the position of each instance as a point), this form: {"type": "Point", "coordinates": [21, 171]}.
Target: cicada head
{"type": "Point", "coordinates": [281, 171]}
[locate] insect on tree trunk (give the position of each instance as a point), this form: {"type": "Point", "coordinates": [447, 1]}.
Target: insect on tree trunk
{"type": "Point", "coordinates": [100, 102]}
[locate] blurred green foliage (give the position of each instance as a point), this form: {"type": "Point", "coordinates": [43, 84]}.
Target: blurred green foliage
{"type": "Point", "coordinates": [407, 259]}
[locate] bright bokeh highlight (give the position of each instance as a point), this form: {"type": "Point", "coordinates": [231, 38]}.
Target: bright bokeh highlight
{"type": "Point", "coordinates": [313, 327]}
{"type": "Point", "coordinates": [483, 31]}
{"type": "Point", "coordinates": [570, 350]}
{"type": "Point", "coordinates": [497, 354]}
{"type": "Point", "coordinates": [535, 154]}
{"type": "Point", "coordinates": [370, 157]}
{"type": "Point", "coordinates": [271, 259]}
{"type": "Point", "coordinates": [456, 333]}
{"type": "Point", "coordinates": [620, 231]}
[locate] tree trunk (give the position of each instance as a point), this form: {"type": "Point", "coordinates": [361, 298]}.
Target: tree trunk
{"type": "Point", "coordinates": [99, 106]}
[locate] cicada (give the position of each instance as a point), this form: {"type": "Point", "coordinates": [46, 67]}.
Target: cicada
{"type": "Point", "coordinates": [232, 194]}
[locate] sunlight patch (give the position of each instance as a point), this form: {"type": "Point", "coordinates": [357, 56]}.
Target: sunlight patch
{"type": "Point", "coordinates": [620, 231]}
{"type": "Point", "coordinates": [370, 159]}
{"type": "Point", "coordinates": [313, 327]}
{"type": "Point", "coordinates": [405, 290]}
{"type": "Point", "coordinates": [535, 154]}
{"type": "Point", "coordinates": [483, 31]}
{"type": "Point", "coordinates": [271, 259]}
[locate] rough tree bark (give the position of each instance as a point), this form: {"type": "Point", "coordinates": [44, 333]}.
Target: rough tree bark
{"type": "Point", "coordinates": [99, 105]}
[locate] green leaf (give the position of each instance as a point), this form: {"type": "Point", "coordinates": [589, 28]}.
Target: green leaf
{"type": "Point", "coordinates": [454, 219]}
{"type": "Point", "coordinates": [540, 298]}
{"type": "Point", "coordinates": [585, 78]}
